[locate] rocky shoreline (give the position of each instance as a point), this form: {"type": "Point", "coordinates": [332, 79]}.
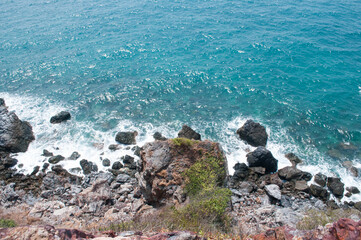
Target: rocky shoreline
{"type": "Point", "coordinates": [265, 202]}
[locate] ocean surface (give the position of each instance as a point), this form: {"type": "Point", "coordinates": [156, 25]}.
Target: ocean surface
{"type": "Point", "coordinates": [294, 66]}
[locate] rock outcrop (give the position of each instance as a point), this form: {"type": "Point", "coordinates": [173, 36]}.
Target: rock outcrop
{"type": "Point", "coordinates": [163, 164]}
{"type": "Point", "coordinates": [187, 132]}
{"type": "Point", "coordinates": [336, 186]}
{"type": "Point", "coordinates": [63, 116]}
{"type": "Point", "coordinates": [126, 138]}
{"type": "Point", "coordinates": [261, 157]}
{"type": "Point", "coordinates": [253, 133]}
{"type": "Point", "coordinates": [15, 135]}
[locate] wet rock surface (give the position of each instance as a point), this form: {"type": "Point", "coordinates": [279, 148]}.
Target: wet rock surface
{"type": "Point", "coordinates": [15, 135]}
{"type": "Point", "coordinates": [253, 133]}
{"type": "Point", "coordinates": [126, 138]}
{"type": "Point", "coordinates": [187, 132]}
{"type": "Point", "coordinates": [63, 116]}
{"type": "Point", "coordinates": [261, 157]}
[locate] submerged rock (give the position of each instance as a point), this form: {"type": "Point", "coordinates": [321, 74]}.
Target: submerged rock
{"type": "Point", "coordinates": [126, 138]}
{"type": "Point", "coordinates": [74, 156]}
{"type": "Point", "coordinates": [56, 159]}
{"type": "Point", "coordinates": [349, 166]}
{"type": "Point", "coordinates": [187, 132]}
{"type": "Point", "coordinates": [253, 133]}
{"type": "Point", "coordinates": [293, 159]}
{"type": "Point", "coordinates": [46, 153]}
{"type": "Point", "coordinates": [15, 135]}
{"type": "Point", "coordinates": [261, 157]}
{"type": "Point", "coordinates": [63, 116]}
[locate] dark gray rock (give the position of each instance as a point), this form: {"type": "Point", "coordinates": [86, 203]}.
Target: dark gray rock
{"type": "Point", "coordinates": [253, 133]}
{"type": "Point", "coordinates": [35, 170]}
{"type": "Point", "coordinates": [15, 135]}
{"type": "Point", "coordinates": [136, 150]}
{"type": "Point", "coordinates": [45, 167]}
{"type": "Point", "coordinates": [261, 157]}
{"type": "Point", "coordinates": [240, 171]}
{"type": "Point", "coordinates": [293, 159]}
{"type": "Point", "coordinates": [126, 138]}
{"type": "Point", "coordinates": [319, 192]}
{"type": "Point", "coordinates": [320, 179]}
{"type": "Point", "coordinates": [291, 173]}
{"type": "Point", "coordinates": [353, 190]}
{"type": "Point", "coordinates": [46, 153]}
{"type": "Point", "coordinates": [158, 136]}
{"type": "Point", "coordinates": [122, 178]}
{"type": "Point", "coordinates": [129, 162]}
{"type": "Point", "coordinates": [335, 186]}
{"type": "Point", "coordinates": [187, 132]}
{"type": "Point", "coordinates": [63, 116]}
{"type": "Point", "coordinates": [2, 102]}
{"type": "Point", "coordinates": [74, 156]}
{"type": "Point", "coordinates": [106, 162]}
{"type": "Point", "coordinates": [8, 162]}
{"type": "Point", "coordinates": [56, 159]}
{"type": "Point", "coordinates": [114, 147]}
{"type": "Point", "coordinates": [117, 165]}
{"type": "Point", "coordinates": [88, 166]}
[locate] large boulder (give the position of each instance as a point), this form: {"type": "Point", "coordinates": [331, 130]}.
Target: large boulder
{"type": "Point", "coordinates": [335, 186]}
{"type": "Point", "coordinates": [253, 133]}
{"type": "Point", "coordinates": [126, 138]}
{"type": "Point", "coordinates": [63, 116]}
{"type": "Point", "coordinates": [319, 192]}
{"type": "Point", "coordinates": [187, 132]}
{"type": "Point", "coordinates": [320, 179]}
{"type": "Point", "coordinates": [292, 173]}
{"type": "Point", "coordinates": [15, 135]}
{"type": "Point", "coordinates": [163, 164]}
{"type": "Point", "coordinates": [261, 157]}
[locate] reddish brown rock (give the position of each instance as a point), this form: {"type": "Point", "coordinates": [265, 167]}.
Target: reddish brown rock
{"type": "Point", "coordinates": [163, 164]}
{"type": "Point", "coordinates": [344, 229]}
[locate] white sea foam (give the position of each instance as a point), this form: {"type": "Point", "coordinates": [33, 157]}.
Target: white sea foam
{"type": "Point", "coordinates": [92, 144]}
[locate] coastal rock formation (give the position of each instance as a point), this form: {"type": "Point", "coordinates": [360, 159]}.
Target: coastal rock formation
{"type": "Point", "coordinates": [320, 179]}
{"type": "Point", "coordinates": [253, 133]}
{"type": "Point", "coordinates": [336, 186]}
{"type": "Point", "coordinates": [292, 173]}
{"type": "Point", "coordinates": [187, 132]}
{"type": "Point", "coordinates": [63, 116]}
{"type": "Point", "coordinates": [261, 157]}
{"type": "Point", "coordinates": [126, 138]}
{"type": "Point", "coordinates": [163, 163]}
{"type": "Point", "coordinates": [15, 135]}
{"type": "Point", "coordinates": [159, 136]}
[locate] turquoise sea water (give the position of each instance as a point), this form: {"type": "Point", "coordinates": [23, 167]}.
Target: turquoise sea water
{"type": "Point", "coordinates": [295, 66]}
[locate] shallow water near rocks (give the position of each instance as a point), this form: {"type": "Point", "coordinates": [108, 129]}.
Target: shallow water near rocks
{"type": "Point", "coordinates": [154, 65]}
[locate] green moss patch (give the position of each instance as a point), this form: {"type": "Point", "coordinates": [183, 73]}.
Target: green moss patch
{"type": "Point", "coordinates": [7, 223]}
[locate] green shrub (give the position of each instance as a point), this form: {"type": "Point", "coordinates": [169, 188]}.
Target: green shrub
{"type": "Point", "coordinates": [183, 142]}
{"type": "Point", "coordinates": [7, 223]}
{"type": "Point", "coordinates": [205, 212]}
